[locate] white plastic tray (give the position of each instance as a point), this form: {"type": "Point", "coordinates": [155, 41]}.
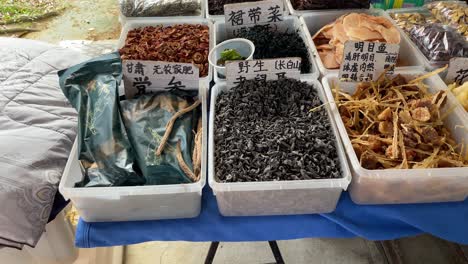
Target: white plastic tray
{"type": "Point", "coordinates": [131, 24]}
{"type": "Point", "coordinates": [97, 204]}
{"type": "Point", "coordinates": [218, 17]}
{"type": "Point", "coordinates": [277, 197]}
{"type": "Point", "coordinates": [293, 23]}
{"type": "Point", "coordinates": [394, 186]}
{"type": "Point", "coordinates": [410, 57]}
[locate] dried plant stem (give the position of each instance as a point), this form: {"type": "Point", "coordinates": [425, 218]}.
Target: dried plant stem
{"type": "Point", "coordinates": [197, 150]}
{"type": "Point", "coordinates": [183, 165]}
{"type": "Point", "coordinates": [170, 125]}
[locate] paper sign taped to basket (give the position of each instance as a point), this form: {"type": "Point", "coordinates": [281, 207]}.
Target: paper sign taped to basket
{"type": "Point", "coordinates": [262, 70]}
{"type": "Point", "coordinates": [366, 61]}
{"type": "Point", "coordinates": [241, 16]}
{"type": "Point", "coordinates": [145, 77]}
{"type": "Point", "coordinates": [457, 71]}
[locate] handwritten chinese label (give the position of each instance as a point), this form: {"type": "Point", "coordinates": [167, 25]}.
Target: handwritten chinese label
{"type": "Point", "coordinates": [241, 16]}
{"type": "Point", "coordinates": [457, 71]}
{"type": "Point", "coordinates": [145, 77]}
{"type": "Point", "coordinates": [262, 70]}
{"type": "Point", "coordinates": [366, 61]}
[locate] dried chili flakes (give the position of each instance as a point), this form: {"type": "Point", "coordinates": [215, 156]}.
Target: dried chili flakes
{"type": "Point", "coordinates": [185, 43]}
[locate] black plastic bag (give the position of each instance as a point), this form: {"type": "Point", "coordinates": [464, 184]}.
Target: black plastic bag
{"type": "Point", "coordinates": [104, 149]}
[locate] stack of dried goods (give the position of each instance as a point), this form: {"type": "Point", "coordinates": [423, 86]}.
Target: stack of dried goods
{"type": "Point", "coordinates": [395, 123]}
{"type": "Point", "coordinates": [266, 131]}
{"type": "Point", "coordinates": [152, 8]}
{"type": "Point", "coordinates": [329, 4]}
{"type": "Point", "coordinates": [271, 44]}
{"type": "Point", "coordinates": [439, 43]}
{"type": "Point", "coordinates": [454, 14]}
{"type": "Point", "coordinates": [216, 7]}
{"type": "Point", "coordinates": [185, 43]}
{"type": "Point", "coordinates": [331, 38]}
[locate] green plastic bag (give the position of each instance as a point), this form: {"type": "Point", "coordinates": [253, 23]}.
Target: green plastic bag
{"type": "Point", "coordinates": [145, 119]}
{"type": "Point", "coordinates": [104, 149]}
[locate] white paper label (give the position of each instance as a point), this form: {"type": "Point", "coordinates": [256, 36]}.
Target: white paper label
{"type": "Point", "coordinates": [262, 70]}
{"type": "Point", "coordinates": [366, 61]}
{"type": "Point", "coordinates": [457, 71]}
{"type": "Point", "coordinates": [145, 77]}
{"type": "Point", "coordinates": [241, 16]}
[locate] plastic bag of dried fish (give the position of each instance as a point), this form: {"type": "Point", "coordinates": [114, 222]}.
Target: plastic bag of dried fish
{"type": "Point", "coordinates": [146, 119]}
{"type": "Point", "coordinates": [439, 43]}
{"type": "Point", "coordinates": [451, 13]}
{"type": "Point", "coordinates": [104, 150]}
{"type": "Point", "coordinates": [152, 8]}
{"type": "Point", "coordinates": [407, 21]}
{"type": "Point", "coordinates": [397, 124]}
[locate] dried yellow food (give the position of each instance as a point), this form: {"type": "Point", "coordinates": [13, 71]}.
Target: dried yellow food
{"type": "Point", "coordinates": [395, 123]}
{"type": "Point", "coordinates": [461, 93]}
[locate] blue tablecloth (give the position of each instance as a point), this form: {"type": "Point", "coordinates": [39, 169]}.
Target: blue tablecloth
{"type": "Point", "coordinates": [375, 222]}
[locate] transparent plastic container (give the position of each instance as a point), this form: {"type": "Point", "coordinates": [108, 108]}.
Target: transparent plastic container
{"type": "Point", "coordinates": [293, 24]}
{"type": "Point", "coordinates": [277, 197]}
{"type": "Point", "coordinates": [396, 186]}
{"type": "Point", "coordinates": [138, 23]}
{"type": "Point", "coordinates": [410, 58]}
{"type": "Point", "coordinates": [134, 203]}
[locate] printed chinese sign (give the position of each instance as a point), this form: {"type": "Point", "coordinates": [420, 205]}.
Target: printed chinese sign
{"type": "Point", "coordinates": [240, 17]}
{"type": "Point", "coordinates": [366, 61]}
{"type": "Point", "coordinates": [457, 71]}
{"type": "Point", "coordinates": [262, 70]}
{"type": "Point", "coordinates": [144, 77]}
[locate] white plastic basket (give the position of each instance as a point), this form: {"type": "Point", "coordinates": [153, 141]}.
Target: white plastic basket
{"type": "Point", "coordinates": [392, 186]}
{"type": "Point", "coordinates": [293, 23]}
{"type": "Point", "coordinates": [277, 197]}
{"type": "Point", "coordinates": [132, 24]}
{"type": "Point", "coordinates": [410, 57]}
{"type": "Point", "coordinates": [132, 203]}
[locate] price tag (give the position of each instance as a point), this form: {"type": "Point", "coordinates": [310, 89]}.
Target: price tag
{"type": "Point", "coordinates": [457, 71]}
{"type": "Point", "coordinates": [241, 16]}
{"type": "Point", "coordinates": [262, 70]}
{"type": "Point", "coordinates": [366, 61]}
{"type": "Point", "coordinates": [145, 77]}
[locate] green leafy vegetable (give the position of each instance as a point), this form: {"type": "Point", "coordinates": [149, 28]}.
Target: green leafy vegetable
{"type": "Point", "coordinates": [229, 55]}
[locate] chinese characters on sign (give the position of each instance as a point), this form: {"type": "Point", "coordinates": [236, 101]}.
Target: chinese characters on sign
{"type": "Point", "coordinates": [239, 17]}
{"type": "Point", "coordinates": [366, 61]}
{"type": "Point", "coordinates": [262, 70]}
{"type": "Point", "coordinates": [144, 77]}
{"type": "Point", "coordinates": [457, 71]}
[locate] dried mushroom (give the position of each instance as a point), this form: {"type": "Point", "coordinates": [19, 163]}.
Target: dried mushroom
{"type": "Point", "coordinates": [184, 43]}
{"type": "Point", "coordinates": [398, 124]}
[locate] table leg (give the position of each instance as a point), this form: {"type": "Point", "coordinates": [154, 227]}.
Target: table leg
{"type": "Point", "coordinates": [211, 252]}
{"type": "Point", "coordinates": [276, 252]}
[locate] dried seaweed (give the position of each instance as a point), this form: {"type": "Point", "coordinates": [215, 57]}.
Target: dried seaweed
{"type": "Point", "coordinates": [395, 123]}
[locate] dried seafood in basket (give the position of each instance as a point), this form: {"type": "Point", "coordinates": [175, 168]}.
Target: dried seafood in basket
{"type": "Point", "coordinates": [187, 43]}
{"type": "Point", "coordinates": [395, 123]}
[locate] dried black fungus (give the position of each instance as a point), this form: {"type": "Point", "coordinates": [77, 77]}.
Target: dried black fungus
{"type": "Point", "coordinates": [216, 7]}
{"type": "Point", "coordinates": [275, 44]}
{"type": "Point", "coordinates": [265, 131]}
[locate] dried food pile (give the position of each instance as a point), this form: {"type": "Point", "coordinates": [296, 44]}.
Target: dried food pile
{"type": "Point", "coordinates": [331, 38]}
{"type": "Point", "coordinates": [216, 7]}
{"type": "Point", "coordinates": [265, 131]}
{"type": "Point", "coordinates": [329, 4]}
{"type": "Point", "coordinates": [395, 123]}
{"type": "Point", "coordinates": [152, 8]}
{"type": "Point", "coordinates": [439, 43]}
{"type": "Point", "coordinates": [271, 44]}
{"type": "Point", "coordinates": [407, 21]}
{"type": "Point", "coordinates": [461, 93]}
{"type": "Point", "coordinates": [454, 14]}
{"type": "Point", "coordinates": [178, 43]}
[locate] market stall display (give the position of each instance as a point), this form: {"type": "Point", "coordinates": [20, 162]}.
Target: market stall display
{"type": "Point", "coordinates": [273, 149]}
{"type": "Point", "coordinates": [329, 30]}
{"type": "Point", "coordinates": [408, 144]}
{"type": "Point", "coordinates": [160, 8]}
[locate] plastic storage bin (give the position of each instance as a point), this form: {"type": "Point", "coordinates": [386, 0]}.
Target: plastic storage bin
{"type": "Point", "coordinates": [393, 186]}
{"type": "Point", "coordinates": [293, 24]}
{"type": "Point", "coordinates": [276, 197]}
{"type": "Point", "coordinates": [133, 203]}
{"type": "Point", "coordinates": [131, 24]}
{"type": "Point", "coordinates": [410, 57]}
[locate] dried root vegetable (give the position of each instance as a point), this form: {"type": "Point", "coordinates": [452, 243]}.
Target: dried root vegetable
{"type": "Point", "coordinates": [393, 123]}
{"type": "Point", "coordinates": [185, 43]}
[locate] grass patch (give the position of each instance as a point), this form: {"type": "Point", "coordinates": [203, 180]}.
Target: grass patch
{"type": "Point", "coordinates": [17, 11]}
